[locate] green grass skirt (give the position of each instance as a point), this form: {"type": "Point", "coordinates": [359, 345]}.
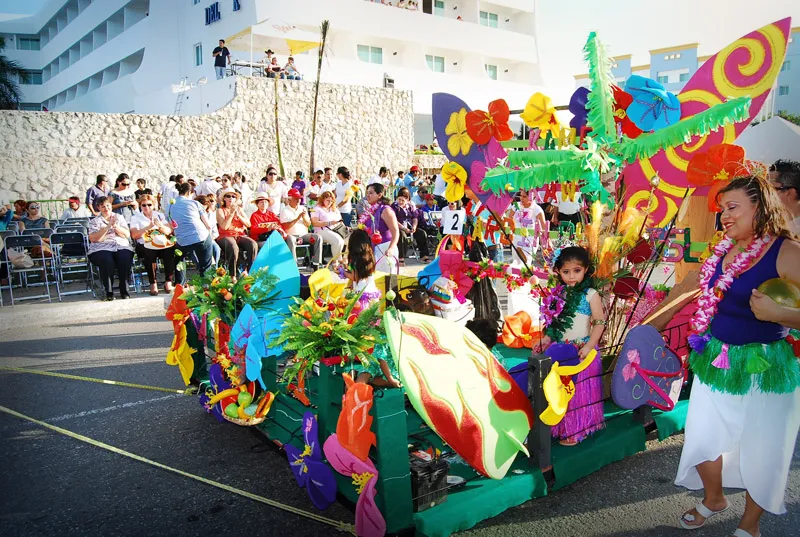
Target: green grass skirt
{"type": "Point", "coordinates": [772, 367]}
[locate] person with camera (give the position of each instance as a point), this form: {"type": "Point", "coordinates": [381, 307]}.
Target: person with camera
{"type": "Point", "coordinates": [295, 222]}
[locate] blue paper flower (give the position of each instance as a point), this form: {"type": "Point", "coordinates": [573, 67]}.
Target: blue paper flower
{"type": "Point", "coordinates": [653, 107]}
{"type": "Point", "coordinates": [577, 105]}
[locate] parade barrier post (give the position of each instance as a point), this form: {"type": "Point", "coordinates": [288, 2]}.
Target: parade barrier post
{"type": "Point", "coordinates": [539, 439]}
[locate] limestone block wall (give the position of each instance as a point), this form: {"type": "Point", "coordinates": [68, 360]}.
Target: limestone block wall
{"type": "Point", "coordinates": [51, 155]}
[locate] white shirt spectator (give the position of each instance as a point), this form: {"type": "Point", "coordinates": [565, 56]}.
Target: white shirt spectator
{"type": "Point", "coordinates": [81, 212]}
{"type": "Point", "coordinates": [377, 179]}
{"type": "Point", "coordinates": [327, 187]}
{"type": "Point", "coordinates": [313, 188]}
{"type": "Point", "coordinates": [439, 186]}
{"type": "Point", "coordinates": [566, 206]}
{"type": "Point", "coordinates": [343, 194]}
{"type": "Point", "coordinates": [288, 214]}
{"type": "Point", "coordinates": [209, 186]}
{"type": "Point", "coordinates": [276, 192]}
{"type": "Point", "coordinates": [168, 193]}
{"type": "Point", "coordinates": [140, 221]}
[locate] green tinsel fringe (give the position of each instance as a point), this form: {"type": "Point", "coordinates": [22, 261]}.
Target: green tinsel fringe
{"type": "Point", "coordinates": [773, 366]}
{"type": "Point", "coordinates": [600, 103]}
{"type": "Point", "coordinates": [559, 171]}
{"type": "Point", "coordinates": [647, 145]}
{"type": "Point", "coordinates": [540, 157]}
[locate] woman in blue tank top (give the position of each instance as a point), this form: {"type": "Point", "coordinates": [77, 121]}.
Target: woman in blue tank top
{"type": "Point", "coordinates": [744, 409]}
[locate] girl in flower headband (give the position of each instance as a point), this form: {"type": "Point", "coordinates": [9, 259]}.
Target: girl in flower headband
{"type": "Point", "coordinates": [573, 313]}
{"type": "Point", "coordinates": [744, 409]}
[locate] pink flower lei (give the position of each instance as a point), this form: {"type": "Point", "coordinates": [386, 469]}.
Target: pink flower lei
{"type": "Point", "coordinates": [712, 296]}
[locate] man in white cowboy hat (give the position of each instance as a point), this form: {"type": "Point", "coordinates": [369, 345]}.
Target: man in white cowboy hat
{"type": "Point", "coordinates": [296, 222]}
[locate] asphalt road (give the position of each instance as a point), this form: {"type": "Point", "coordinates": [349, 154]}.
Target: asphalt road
{"type": "Point", "coordinates": [54, 485]}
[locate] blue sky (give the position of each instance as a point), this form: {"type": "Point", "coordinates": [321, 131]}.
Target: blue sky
{"type": "Point", "coordinates": [625, 26]}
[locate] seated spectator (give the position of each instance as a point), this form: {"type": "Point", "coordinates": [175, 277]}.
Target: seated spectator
{"type": "Point", "coordinates": [123, 200]}
{"type": "Point", "coordinates": [325, 219]}
{"type": "Point", "coordinates": [237, 247]}
{"type": "Point", "coordinates": [227, 186]}
{"type": "Point", "coordinates": [296, 222]}
{"type": "Point", "coordinates": [75, 209]}
{"type": "Point", "coordinates": [110, 248]}
{"type": "Point", "coordinates": [34, 218]}
{"type": "Point", "coordinates": [20, 209]}
{"type": "Point", "coordinates": [263, 221]}
{"type": "Point", "coordinates": [290, 71]}
{"type": "Point", "coordinates": [408, 223]}
{"type": "Point", "coordinates": [273, 69]}
{"type": "Point", "coordinates": [299, 184]}
{"type": "Point", "coordinates": [267, 59]}
{"type": "Point", "coordinates": [209, 204]}
{"type": "Point", "coordinates": [209, 186]}
{"type": "Point", "coordinates": [313, 191]}
{"type": "Point", "coordinates": [192, 231]}
{"type": "Point", "coordinates": [141, 188]}
{"type": "Point", "coordinates": [151, 222]}
{"type": "Point", "coordinates": [418, 199]}
{"type": "Point", "coordinates": [6, 216]}
{"type": "Point", "coordinates": [430, 204]}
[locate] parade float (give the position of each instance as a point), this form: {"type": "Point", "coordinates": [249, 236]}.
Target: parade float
{"type": "Point", "coordinates": [469, 433]}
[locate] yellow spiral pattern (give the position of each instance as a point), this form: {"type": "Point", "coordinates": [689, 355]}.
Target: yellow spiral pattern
{"type": "Point", "coordinates": [775, 39]}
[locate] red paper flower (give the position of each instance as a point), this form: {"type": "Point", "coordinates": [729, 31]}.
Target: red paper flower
{"type": "Point", "coordinates": [715, 168]}
{"type": "Point", "coordinates": [483, 126]}
{"type": "Point", "coordinates": [623, 101]}
{"type": "Point", "coordinates": [640, 253]}
{"type": "Point", "coordinates": [626, 287]}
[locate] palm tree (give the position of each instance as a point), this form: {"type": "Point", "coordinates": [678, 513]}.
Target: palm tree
{"type": "Point", "coordinates": [324, 27]}
{"type": "Point", "coordinates": [11, 74]}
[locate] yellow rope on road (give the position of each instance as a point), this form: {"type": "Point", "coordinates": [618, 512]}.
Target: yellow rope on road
{"type": "Point", "coordinates": [340, 526]}
{"type": "Point", "coordinates": [187, 391]}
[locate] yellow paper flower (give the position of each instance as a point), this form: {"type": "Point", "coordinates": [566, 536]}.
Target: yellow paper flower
{"type": "Point", "coordinates": [540, 113]}
{"type": "Point", "coordinates": [458, 140]}
{"type": "Point", "coordinates": [455, 176]}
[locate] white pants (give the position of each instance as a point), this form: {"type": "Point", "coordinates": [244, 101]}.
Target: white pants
{"type": "Point", "coordinates": [386, 259]}
{"type": "Point", "coordinates": [754, 433]}
{"type": "Point", "coordinates": [336, 242]}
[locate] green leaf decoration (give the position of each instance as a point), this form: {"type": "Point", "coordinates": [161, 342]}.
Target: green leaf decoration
{"type": "Point", "coordinates": [647, 145]}
{"type": "Point", "coordinates": [541, 167]}
{"type": "Point", "coordinates": [600, 102]}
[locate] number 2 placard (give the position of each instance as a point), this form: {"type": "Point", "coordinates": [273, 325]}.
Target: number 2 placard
{"type": "Point", "coordinates": [453, 222]}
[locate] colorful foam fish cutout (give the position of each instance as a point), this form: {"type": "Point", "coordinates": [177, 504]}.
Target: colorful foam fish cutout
{"type": "Point", "coordinates": [460, 390]}
{"type": "Point", "coordinates": [559, 389]}
{"type": "Point", "coordinates": [353, 427]}
{"type": "Point", "coordinates": [180, 352]}
{"type": "Point", "coordinates": [369, 520]}
{"type": "Point", "coordinates": [747, 67]}
{"type": "Point", "coordinates": [307, 466]}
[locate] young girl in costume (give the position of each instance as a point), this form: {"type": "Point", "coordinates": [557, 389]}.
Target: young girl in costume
{"type": "Point", "coordinates": [361, 270]}
{"type": "Point", "coordinates": [579, 323]}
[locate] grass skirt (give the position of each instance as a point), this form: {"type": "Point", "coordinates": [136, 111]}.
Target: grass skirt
{"type": "Point", "coordinates": [772, 367]}
{"type": "Point", "coordinates": [585, 411]}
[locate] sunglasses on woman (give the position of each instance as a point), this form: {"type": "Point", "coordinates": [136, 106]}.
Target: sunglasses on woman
{"type": "Point", "coordinates": [230, 196]}
{"type": "Point", "coordinates": [147, 204]}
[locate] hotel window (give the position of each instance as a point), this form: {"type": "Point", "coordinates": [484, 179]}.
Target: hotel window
{"type": "Point", "coordinates": [34, 78]}
{"type": "Point", "coordinates": [663, 79]}
{"type": "Point", "coordinates": [683, 77]}
{"type": "Point", "coordinates": [195, 2]}
{"type": "Point", "coordinates": [489, 19]}
{"type": "Point", "coordinates": [785, 66]}
{"type": "Point", "coordinates": [369, 54]}
{"type": "Point", "coordinates": [237, 5]}
{"type": "Point", "coordinates": [435, 63]}
{"type": "Point", "coordinates": [198, 54]}
{"type": "Point", "coordinates": [438, 8]}
{"type": "Point", "coordinates": [783, 90]}
{"type": "Point", "coordinates": [28, 43]}
{"type": "Point", "coordinates": [491, 70]}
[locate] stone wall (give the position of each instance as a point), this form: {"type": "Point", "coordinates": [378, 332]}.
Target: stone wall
{"type": "Point", "coordinates": [52, 155]}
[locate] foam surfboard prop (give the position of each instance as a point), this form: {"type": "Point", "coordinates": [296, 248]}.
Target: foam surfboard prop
{"type": "Point", "coordinates": [460, 390]}
{"type": "Point", "coordinates": [748, 67]}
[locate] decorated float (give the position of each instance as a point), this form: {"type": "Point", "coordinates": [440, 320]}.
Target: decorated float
{"type": "Point", "coordinates": [469, 433]}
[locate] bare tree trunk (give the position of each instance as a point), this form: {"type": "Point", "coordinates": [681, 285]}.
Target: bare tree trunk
{"type": "Point", "coordinates": [324, 27]}
{"type": "Point", "coordinates": [278, 132]}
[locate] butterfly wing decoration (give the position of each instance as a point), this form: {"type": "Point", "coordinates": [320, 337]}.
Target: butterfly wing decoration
{"type": "Point", "coordinates": [746, 67]}
{"type": "Point", "coordinates": [307, 466]}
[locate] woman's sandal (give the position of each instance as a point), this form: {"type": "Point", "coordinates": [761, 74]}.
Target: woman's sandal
{"type": "Point", "coordinates": [744, 533]}
{"type": "Point", "coordinates": [703, 511]}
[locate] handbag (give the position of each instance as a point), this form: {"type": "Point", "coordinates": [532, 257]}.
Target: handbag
{"type": "Point", "coordinates": [340, 229]}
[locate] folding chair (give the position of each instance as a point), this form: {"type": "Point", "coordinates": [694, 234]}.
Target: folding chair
{"type": "Point", "coordinates": [43, 232]}
{"type": "Point", "coordinates": [40, 262]}
{"type": "Point", "coordinates": [84, 221]}
{"type": "Point", "coordinates": [69, 228]}
{"type": "Point", "coordinates": [14, 225]}
{"type": "Point", "coordinates": [71, 259]}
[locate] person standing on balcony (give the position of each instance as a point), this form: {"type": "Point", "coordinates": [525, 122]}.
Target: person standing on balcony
{"type": "Point", "coordinates": [222, 58]}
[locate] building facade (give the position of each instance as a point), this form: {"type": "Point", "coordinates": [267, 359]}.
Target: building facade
{"type": "Point", "coordinates": [674, 66]}
{"type": "Point", "coordinates": [155, 57]}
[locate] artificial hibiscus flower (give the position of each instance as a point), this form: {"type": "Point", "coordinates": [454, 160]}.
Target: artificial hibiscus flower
{"type": "Point", "coordinates": [653, 107]}
{"type": "Point", "coordinates": [455, 176]}
{"type": "Point", "coordinates": [577, 105]}
{"type": "Point", "coordinates": [622, 101]}
{"type": "Point", "coordinates": [483, 126]}
{"type": "Point", "coordinates": [458, 140]}
{"type": "Point", "coordinates": [540, 113]}
{"type": "Point", "coordinates": [715, 168]}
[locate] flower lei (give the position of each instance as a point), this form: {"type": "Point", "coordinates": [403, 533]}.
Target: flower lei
{"type": "Point", "coordinates": [499, 271]}
{"type": "Point", "coordinates": [563, 310]}
{"type": "Point", "coordinates": [712, 296]}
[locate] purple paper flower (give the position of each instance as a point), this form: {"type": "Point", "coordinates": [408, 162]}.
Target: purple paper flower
{"type": "Point", "coordinates": [552, 305]}
{"type": "Point", "coordinates": [577, 105]}
{"type": "Point", "coordinates": [698, 342]}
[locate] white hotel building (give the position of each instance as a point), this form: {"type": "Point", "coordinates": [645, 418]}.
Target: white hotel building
{"type": "Point", "coordinates": [131, 55]}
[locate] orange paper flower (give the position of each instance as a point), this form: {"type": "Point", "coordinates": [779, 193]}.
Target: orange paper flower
{"type": "Point", "coordinates": [519, 332]}
{"type": "Point", "coordinates": [483, 126]}
{"type": "Point", "coordinates": [715, 168]}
